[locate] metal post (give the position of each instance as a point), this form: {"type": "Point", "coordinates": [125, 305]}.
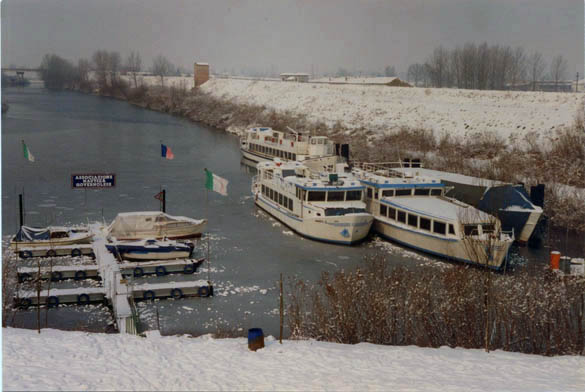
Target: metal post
{"type": "Point", "coordinates": [577, 83]}
{"type": "Point", "coordinates": [164, 200]}
{"type": "Point", "coordinates": [281, 309]}
{"type": "Point", "coordinates": [20, 210]}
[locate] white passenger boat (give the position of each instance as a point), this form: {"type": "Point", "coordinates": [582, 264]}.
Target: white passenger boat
{"type": "Point", "coordinates": [50, 236]}
{"type": "Point", "coordinates": [413, 211]}
{"type": "Point", "coordinates": [326, 207]}
{"type": "Point", "coordinates": [130, 226]}
{"type": "Point", "coordinates": [509, 202]}
{"type": "Point", "coordinates": [264, 144]}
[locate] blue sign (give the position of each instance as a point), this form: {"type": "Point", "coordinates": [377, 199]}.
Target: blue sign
{"type": "Point", "coordinates": [106, 180]}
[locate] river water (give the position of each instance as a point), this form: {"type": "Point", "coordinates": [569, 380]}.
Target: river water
{"type": "Point", "coordinates": [70, 133]}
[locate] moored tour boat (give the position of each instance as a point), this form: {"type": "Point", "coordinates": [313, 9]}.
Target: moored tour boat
{"type": "Point", "coordinates": [50, 236]}
{"type": "Point", "coordinates": [325, 207]}
{"type": "Point", "coordinates": [265, 144]}
{"type": "Point", "coordinates": [130, 226]}
{"type": "Point", "coordinates": [509, 202]}
{"type": "Point", "coordinates": [149, 250]}
{"type": "Point", "coordinates": [413, 211]}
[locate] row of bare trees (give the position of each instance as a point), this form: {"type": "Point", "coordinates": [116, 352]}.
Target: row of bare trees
{"type": "Point", "coordinates": [485, 67]}
{"type": "Point", "coordinates": [58, 73]}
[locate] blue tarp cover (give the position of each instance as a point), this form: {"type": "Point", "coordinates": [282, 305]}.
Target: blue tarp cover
{"type": "Point", "coordinates": [32, 234]}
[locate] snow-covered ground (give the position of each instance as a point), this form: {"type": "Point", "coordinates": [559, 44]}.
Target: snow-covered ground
{"type": "Point", "coordinates": [57, 360]}
{"type": "Point", "coordinates": [460, 113]}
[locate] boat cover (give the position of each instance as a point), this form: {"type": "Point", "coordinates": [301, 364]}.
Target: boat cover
{"type": "Point", "coordinates": [129, 223]}
{"type": "Point", "coordinates": [32, 234]}
{"type": "Point", "coordinates": [502, 197]}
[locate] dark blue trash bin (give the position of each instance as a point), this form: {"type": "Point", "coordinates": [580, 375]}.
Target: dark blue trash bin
{"type": "Point", "coordinates": [255, 339]}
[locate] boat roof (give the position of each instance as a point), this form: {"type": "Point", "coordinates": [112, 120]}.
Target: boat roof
{"type": "Point", "coordinates": [388, 181]}
{"type": "Point", "coordinates": [451, 177]}
{"type": "Point", "coordinates": [316, 181]}
{"type": "Point", "coordinates": [440, 208]}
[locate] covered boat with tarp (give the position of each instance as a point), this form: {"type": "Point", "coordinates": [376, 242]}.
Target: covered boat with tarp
{"type": "Point", "coordinates": [49, 236]}
{"type": "Point", "coordinates": [130, 226]}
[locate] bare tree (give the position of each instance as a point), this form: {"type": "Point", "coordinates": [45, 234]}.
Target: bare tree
{"type": "Point", "coordinates": [437, 66]}
{"type": "Point", "coordinates": [161, 66]}
{"type": "Point", "coordinates": [114, 68]}
{"type": "Point", "coordinates": [134, 65]}
{"type": "Point", "coordinates": [415, 73]}
{"type": "Point", "coordinates": [101, 63]}
{"type": "Point", "coordinates": [536, 68]}
{"type": "Point", "coordinates": [558, 69]}
{"type": "Point", "coordinates": [517, 66]}
{"type": "Point", "coordinates": [83, 68]}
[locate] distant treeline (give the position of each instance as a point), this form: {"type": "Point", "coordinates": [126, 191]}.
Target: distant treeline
{"type": "Point", "coordinates": [59, 73]}
{"type": "Point", "coordinates": [485, 67]}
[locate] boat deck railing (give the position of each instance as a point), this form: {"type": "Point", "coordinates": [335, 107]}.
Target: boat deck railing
{"type": "Point", "coordinates": [387, 168]}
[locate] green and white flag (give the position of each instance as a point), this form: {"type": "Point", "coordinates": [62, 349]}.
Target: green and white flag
{"type": "Point", "coordinates": [27, 154]}
{"type": "Point", "coordinates": [216, 183]}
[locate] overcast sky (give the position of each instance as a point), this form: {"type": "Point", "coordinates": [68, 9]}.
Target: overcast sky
{"type": "Point", "coordinates": [291, 36]}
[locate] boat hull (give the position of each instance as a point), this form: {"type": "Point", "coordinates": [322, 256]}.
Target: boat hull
{"type": "Point", "coordinates": [143, 253]}
{"type": "Point", "coordinates": [343, 230]}
{"type": "Point", "coordinates": [14, 245]}
{"type": "Point", "coordinates": [470, 251]}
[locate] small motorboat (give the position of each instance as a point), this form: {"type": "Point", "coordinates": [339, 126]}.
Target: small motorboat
{"type": "Point", "coordinates": [131, 226]}
{"type": "Point", "coordinates": [150, 249]}
{"type": "Point", "coordinates": [50, 236]}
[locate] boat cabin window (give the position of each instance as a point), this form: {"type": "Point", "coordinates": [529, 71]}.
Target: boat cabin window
{"type": "Point", "coordinates": [280, 198]}
{"type": "Point", "coordinates": [412, 220]}
{"type": "Point", "coordinates": [451, 229]}
{"type": "Point", "coordinates": [403, 192]}
{"type": "Point", "coordinates": [470, 229]}
{"type": "Point", "coordinates": [401, 216]}
{"type": "Point", "coordinates": [488, 228]}
{"type": "Point", "coordinates": [392, 213]}
{"type": "Point", "coordinates": [288, 173]}
{"type": "Point", "coordinates": [369, 193]}
{"type": "Point", "coordinates": [439, 227]}
{"type": "Point", "coordinates": [383, 210]}
{"type": "Point", "coordinates": [271, 194]}
{"type": "Point", "coordinates": [353, 195]}
{"type": "Point", "coordinates": [376, 194]}
{"type": "Point", "coordinates": [316, 196]}
{"type": "Point", "coordinates": [388, 193]}
{"type": "Point", "coordinates": [343, 211]}
{"type": "Point", "coordinates": [294, 157]}
{"type": "Point", "coordinates": [422, 192]}
{"type": "Point", "coordinates": [335, 195]}
{"type": "Point", "coordinates": [59, 234]}
{"type": "Point", "coordinates": [436, 192]}
{"type": "Point", "coordinates": [425, 224]}
{"type": "Point", "coordinates": [290, 204]}
{"type": "Point", "coordinates": [263, 189]}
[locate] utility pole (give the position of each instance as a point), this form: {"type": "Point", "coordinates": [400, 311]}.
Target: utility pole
{"type": "Point", "coordinates": [577, 83]}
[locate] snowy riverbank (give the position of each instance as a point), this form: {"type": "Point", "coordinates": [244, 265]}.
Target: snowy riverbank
{"type": "Point", "coordinates": [460, 113]}
{"type": "Point", "coordinates": [57, 360]}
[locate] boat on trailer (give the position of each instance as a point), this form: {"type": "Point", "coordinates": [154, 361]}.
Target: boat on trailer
{"type": "Point", "coordinates": [50, 236]}
{"type": "Point", "coordinates": [414, 211]}
{"type": "Point", "coordinates": [264, 144]}
{"type": "Point", "coordinates": [150, 249]}
{"type": "Point", "coordinates": [327, 207]}
{"type": "Point", "coordinates": [130, 226]}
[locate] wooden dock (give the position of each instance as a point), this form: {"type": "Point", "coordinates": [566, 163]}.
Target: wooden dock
{"type": "Point", "coordinates": [120, 289]}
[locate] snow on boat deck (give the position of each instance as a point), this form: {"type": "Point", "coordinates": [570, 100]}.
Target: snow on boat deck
{"type": "Point", "coordinates": [59, 360]}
